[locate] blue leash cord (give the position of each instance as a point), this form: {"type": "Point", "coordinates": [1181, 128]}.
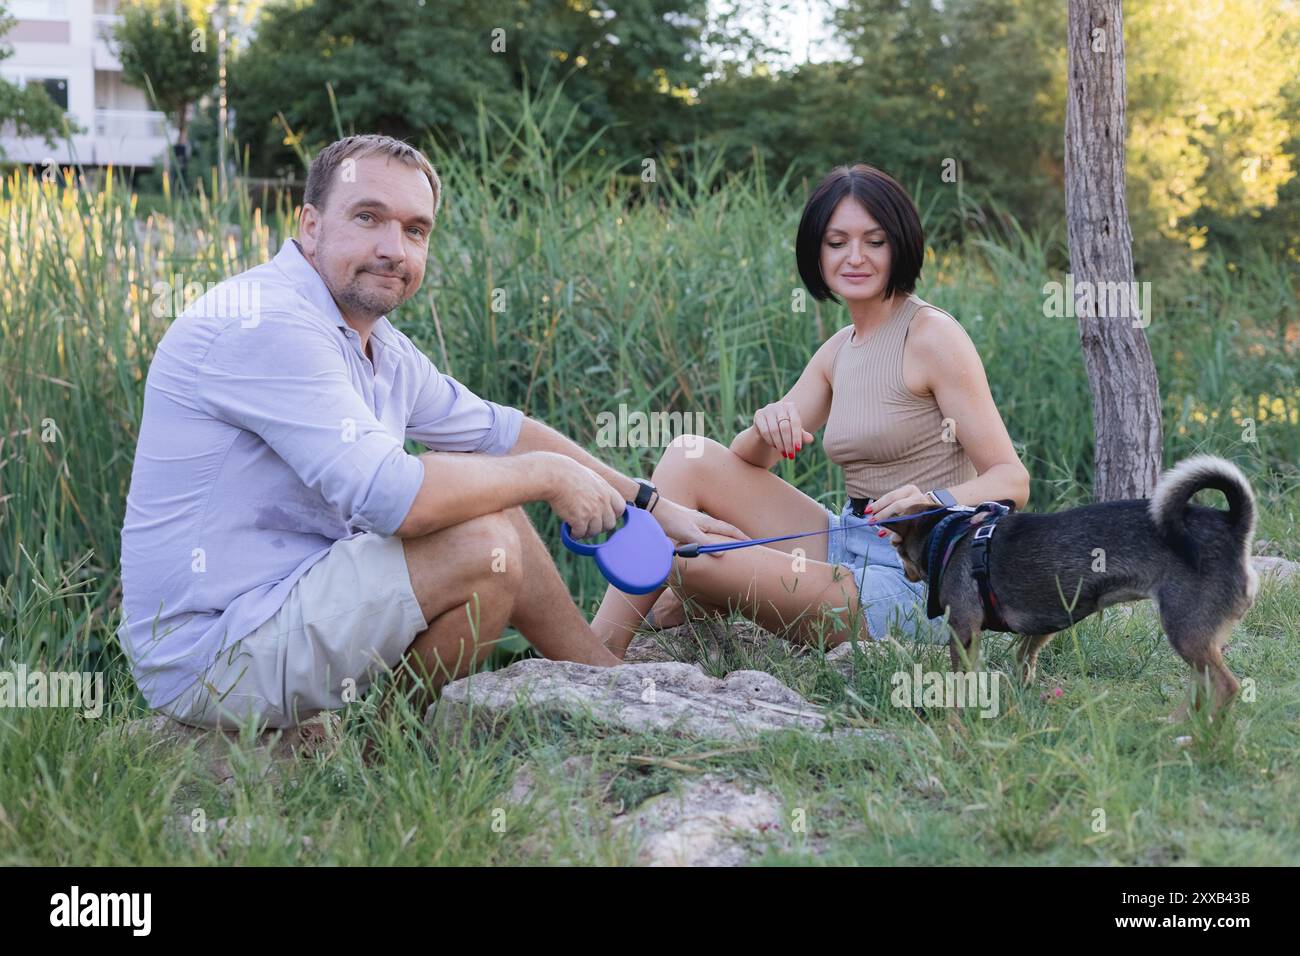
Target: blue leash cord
{"type": "Point", "coordinates": [638, 557]}
{"type": "Point", "coordinates": [694, 550]}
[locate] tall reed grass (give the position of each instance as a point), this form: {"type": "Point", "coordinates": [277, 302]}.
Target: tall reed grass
{"type": "Point", "coordinates": [562, 285]}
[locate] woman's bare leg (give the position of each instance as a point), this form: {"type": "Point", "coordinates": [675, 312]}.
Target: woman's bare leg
{"type": "Point", "coordinates": [710, 477]}
{"type": "Point", "coordinates": [809, 601]}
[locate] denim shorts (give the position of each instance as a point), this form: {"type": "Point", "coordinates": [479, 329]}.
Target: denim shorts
{"type": "Point", "coordinates": [888, 598]}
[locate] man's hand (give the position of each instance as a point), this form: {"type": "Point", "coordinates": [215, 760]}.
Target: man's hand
{"type": "Point", "coordinates": [685, 526]}
{"type": "Point", "coordinates": [577, 481]}
{"type": "Point", "coordinates": [581, 497]}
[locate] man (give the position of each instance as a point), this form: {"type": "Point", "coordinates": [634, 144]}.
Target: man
{"type": "Point", "coordinates": [280, 546]}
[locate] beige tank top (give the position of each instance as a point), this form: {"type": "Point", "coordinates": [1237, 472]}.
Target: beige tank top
{"type": "Point", "coordinates": [881, 433]}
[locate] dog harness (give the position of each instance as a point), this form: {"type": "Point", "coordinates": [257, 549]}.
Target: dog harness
{"type": "Point", "coordinates": [951, 529]}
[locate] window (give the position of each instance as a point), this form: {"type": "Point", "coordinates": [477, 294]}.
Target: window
{"type": "Point", "coordinates": [57, 87]}
{"type": "Point", "coordinates": [38, 9]}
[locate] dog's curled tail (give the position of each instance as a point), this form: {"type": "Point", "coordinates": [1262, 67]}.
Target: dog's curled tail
{"type": "Point", "coordinates": [1176, 487]}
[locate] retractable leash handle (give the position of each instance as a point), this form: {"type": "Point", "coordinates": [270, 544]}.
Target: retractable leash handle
{"type": "Point", "coordinates": [637, 557]}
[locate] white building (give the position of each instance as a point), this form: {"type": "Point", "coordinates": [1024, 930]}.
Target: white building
{"type": "Point", "coordinates": [67, 46]}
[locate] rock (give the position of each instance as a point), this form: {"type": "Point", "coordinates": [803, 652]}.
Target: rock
{"type": "Point", "coordinates": [707, 639]}
{"type": "Point", "coordinates": [655, 647]}
{"type": "Point", "coordinates": [708, 821]}
{"type": "Point", "coordinates": [673, 697]}
{"type": "Point", "coordinates": [555, 793]}
{"type": "Point", "coordinates": [841, 655]}
{"type": "Point", "coordinates": [705, 823]}
{"type": "Point", "coordinates": [697, 640]}
{"type": "Point", "coordinates": [1284, 570]}
{"type": "Point", "coordinates": [524, 784]}
{"type": "Point", "coordinates": [243, 831]}
{"type": "Point", "coordinates": [222, 750]}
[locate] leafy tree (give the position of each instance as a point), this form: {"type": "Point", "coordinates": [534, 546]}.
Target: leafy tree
{"type": "Point", "coordinates": [29, 107]}
{"type": "Point", "coordinates": [393, 67]}
{"type": "Point", "coordinates": [1213, 100]}
{"type": "Point", "coordinates": [977, 82]}
{"type": "Point", "coordinates": [980, 82]}
{"type": "Point", "coordinates": [169, 48]}
{"type": "Point", "coordinates": [398, 67]}
{"type": "Point", "coordinates": [1210, 119]}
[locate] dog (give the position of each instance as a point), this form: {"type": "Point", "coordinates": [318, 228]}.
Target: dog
{"type": "Point", "coordinates": [1049, 571]}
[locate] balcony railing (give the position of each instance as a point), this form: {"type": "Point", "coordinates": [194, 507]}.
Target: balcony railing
{"type": "Point", "coordinates": [131, 124]}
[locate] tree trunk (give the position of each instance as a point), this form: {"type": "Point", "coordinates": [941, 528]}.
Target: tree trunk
{"type": "Point", "coordinates": [1122, 376]}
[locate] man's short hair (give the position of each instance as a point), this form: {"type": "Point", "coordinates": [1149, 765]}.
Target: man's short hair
{"type": "Point", "coordinates": [320, 176]}
{"type": "Point", "coordinates": [888, 203]}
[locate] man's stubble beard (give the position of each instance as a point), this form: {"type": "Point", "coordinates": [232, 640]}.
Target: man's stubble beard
{"type": "Point", "coordinates": [355, 299]}
{"type": "Point", "coordinates": [371, 303]}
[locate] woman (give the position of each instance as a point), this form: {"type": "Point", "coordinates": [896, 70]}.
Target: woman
{"type": "Point", "coordinates": [908, 416]}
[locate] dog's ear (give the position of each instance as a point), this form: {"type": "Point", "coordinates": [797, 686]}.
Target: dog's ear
{"type": "Point", "coordinates": [902, 530]}
{"type": "Point", "coordinates": [903, 534]}
{"type": "Point", "coordinates": [909, 537]}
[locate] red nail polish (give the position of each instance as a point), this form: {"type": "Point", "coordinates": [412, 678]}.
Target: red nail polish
{"type": "Point", "coordinates": [798, 448]}
{"type": "Point", "coordinates": [869, 510]}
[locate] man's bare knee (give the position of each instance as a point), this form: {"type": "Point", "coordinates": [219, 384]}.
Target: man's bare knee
{"type": "Point", "coordinates": [483, 554]}
{"type": "Point", "coordinates": [496, 536]}
{"type": "Point", "coordinates": [494, 530]}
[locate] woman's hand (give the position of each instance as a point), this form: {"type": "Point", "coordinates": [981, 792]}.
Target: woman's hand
{"type": "Point", "coordinates": [780, 426]}
{"type": "Point", "coordinates": [686, 526]}
{"type": "Point", "coordinates": [897, 502]}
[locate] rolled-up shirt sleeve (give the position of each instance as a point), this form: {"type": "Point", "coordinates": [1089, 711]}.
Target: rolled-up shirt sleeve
{"type": "Point", "coordinates": [288, 383]}
{"type": "Point", "coordinates": [447, 416]}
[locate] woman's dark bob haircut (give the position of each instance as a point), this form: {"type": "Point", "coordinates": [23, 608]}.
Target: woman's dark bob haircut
{"type": "Point", "coordinates": [888, 203]}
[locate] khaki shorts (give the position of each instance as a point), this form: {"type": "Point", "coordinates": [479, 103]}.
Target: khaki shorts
{"type": "Point", "coordinates": [348, 619]}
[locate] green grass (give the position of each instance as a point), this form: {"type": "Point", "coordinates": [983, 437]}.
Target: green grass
{"type": "Point", "coordinates": [1024, 787]}
{"type": "Point", "coordinates": [673, 295]}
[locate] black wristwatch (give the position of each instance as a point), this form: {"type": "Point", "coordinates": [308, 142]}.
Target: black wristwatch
{"type": "Point", "coordinates": [644, 493]}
